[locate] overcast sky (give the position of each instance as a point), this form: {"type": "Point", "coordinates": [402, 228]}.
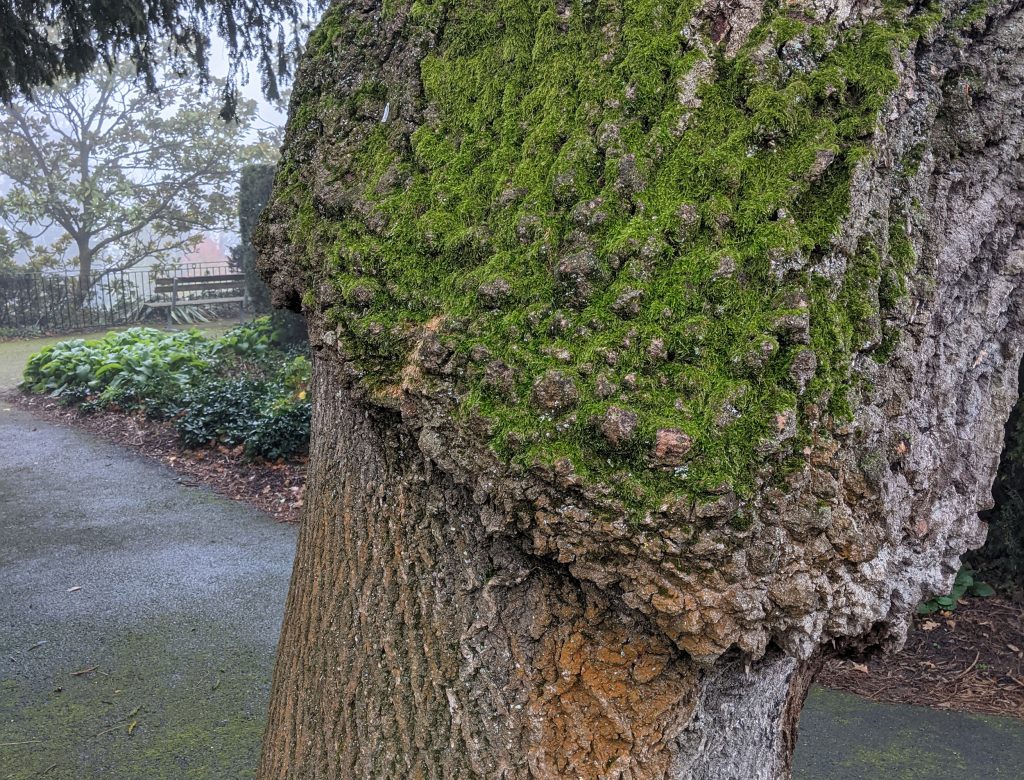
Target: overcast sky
{"type": "Point", "coordinates": [219, 68]}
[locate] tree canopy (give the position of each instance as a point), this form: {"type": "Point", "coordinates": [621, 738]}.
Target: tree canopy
{"type": "Point", "coordinates": [46, 40]}
{"type": "Point", "coordinates": [101, 172]}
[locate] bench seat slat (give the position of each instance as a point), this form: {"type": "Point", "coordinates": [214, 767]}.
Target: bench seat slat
{"type": "Point", "coordinates": [210, 278]}
{"type": "Point", "coordinates": [194, 302]}
{"type": "Point", "coordinates": [231, 288]}
{"type": "Point", "coordinates": [197, 282]}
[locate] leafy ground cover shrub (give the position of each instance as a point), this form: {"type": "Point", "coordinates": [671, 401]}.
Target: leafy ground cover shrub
{"type": "Point", "coordinates": [269, 415]}
{"type": "Point", "coordinates": [136, 368]}
{"type": "Point", "coordinates": [243, 388]}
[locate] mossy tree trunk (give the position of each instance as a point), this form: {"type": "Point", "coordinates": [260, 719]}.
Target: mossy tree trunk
{"type": "Point", "coordinates": [658, 346]}
{"type": "Point", "coordinates": [415, 646]}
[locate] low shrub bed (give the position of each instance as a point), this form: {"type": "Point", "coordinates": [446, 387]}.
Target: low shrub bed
{"type": "Point", "coordinates": [242, 389]}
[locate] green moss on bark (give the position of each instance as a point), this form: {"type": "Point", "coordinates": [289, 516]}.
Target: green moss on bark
{"type": "Point", "coordinates": [646, 209]}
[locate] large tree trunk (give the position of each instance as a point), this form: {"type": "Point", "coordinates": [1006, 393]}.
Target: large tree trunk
{"type": "Point", "coordinates": [615, 432]}
{"type": "Point", "coordinates": [415, 646]}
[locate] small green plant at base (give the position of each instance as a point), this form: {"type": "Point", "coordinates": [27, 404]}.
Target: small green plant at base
{"type": "Point", "coordinates": [964, 584]}
{"type": "Point", "coordinates": [250, 340]}
{"type": "Point", "coordinates": [270, 417]}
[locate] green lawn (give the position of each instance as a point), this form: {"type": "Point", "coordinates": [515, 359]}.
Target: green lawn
{"type": "Point", "coordinates": [14, 354]}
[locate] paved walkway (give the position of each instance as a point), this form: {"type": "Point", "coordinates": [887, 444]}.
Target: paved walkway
{"type": "Point", "coordinates": [172, 598]}
{"type": "Point", "coordinates": [171, 594]}
{"type": "Point", "coordinates": [844, 737]}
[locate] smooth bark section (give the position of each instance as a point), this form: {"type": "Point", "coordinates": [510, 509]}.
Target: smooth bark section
{"type": "Point", "coordinates": [415, 646]}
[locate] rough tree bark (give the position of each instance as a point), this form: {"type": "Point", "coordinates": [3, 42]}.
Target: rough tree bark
{"type": "Point", "coordinates": [418, 645]}
{"type": "Point", "coordinates": [84, 268]}
{"type": "Point", "coordinates": [576, 591]}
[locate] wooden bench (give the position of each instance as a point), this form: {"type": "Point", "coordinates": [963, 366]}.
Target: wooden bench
{"type": "Point", "coordinates": [226, 288]}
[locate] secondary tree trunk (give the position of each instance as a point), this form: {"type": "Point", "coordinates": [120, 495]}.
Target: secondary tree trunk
{"type": "Point", "coordinates": [415, 646]}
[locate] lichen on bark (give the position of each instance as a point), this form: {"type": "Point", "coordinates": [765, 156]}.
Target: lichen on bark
{"type": "Point", "coordinates": [715, 305]}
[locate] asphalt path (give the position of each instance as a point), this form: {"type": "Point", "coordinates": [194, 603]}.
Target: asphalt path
{"type": "Point", "coordinates": [139, 616]}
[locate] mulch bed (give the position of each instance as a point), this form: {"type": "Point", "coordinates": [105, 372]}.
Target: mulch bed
{"type": "Point", "coordinates": [276, 488]}
{"type": "Point", "coordinates": [970, 660]}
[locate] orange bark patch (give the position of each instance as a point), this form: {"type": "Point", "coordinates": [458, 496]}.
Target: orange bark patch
{"type": "Point", "coordinates": [613, 700]}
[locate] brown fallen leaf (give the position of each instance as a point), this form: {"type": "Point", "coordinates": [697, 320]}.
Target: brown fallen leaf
{"type": "Point", "coordinates": [862, 668]}
{"type": "Point", "coordinates": [929, 625]}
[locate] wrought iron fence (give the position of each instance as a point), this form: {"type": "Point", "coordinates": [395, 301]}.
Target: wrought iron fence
{"type": "Point", "coordinates": [55, 303]}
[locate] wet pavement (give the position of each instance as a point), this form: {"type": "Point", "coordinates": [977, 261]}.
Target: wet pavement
{"type": "Point", "coordinates": [129, 603]}
{"type": "Point", "coordinates": [139, 615]}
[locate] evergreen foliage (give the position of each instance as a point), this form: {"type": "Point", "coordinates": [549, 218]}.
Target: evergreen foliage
{"type": "Point", "coordinates": [255, 188]}
{"type": "Point", "coordinates": [46, 40]}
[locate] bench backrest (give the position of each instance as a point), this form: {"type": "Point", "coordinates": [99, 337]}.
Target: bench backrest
{"type": "Point", "coordinates": [183, 285]}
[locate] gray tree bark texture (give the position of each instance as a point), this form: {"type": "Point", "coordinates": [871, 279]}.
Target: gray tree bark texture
{"type": "Point", "coordinates": [455, 616]}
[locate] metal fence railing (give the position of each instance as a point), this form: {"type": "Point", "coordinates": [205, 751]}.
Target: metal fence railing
{"type": "Point", "coordinates": [55, 302]}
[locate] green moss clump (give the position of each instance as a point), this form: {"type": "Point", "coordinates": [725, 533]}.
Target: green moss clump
{"type": "Point", "coordinates": [975, 12]}
{"type": "Point", "coordinates": [902, 260]}
{"type": "Point", "coordinates": [571, 157]}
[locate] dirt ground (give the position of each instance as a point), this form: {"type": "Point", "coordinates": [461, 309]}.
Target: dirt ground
{"type": "Point", "coordinates": [971, 660]}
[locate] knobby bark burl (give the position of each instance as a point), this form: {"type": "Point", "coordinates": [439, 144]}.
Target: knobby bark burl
{"type": "Point", "coordinates": [660, 348]}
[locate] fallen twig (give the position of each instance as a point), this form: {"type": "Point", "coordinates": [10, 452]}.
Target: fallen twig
{"type": "Point", "coordinates": [966, 671]}
{"type": "Point", "coordinates": [115, 727]}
